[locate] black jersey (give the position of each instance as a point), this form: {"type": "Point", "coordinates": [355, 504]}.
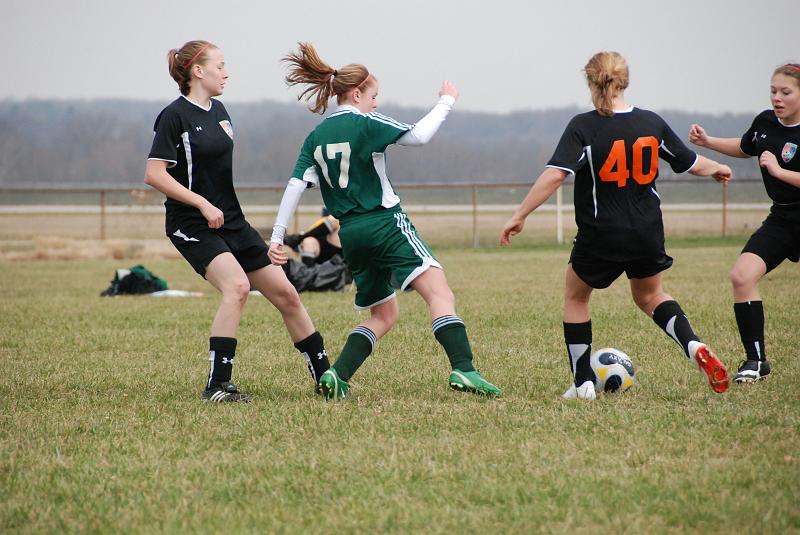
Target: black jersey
{"type": "Point", "coordinates": [198, 146]}
{"type": "Point", "coordinates": [767, 133]}
{"type": "Point", "coordinates": [615, 163]}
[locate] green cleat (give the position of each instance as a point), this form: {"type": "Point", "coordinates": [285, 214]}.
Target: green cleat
{"type": "Point", "coordinates": [472, 382]}
{"type": "Point", "coordinates": [332, 386]}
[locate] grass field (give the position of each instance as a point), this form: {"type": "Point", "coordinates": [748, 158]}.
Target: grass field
{"type": "Point", "coordinates": [103, 431]}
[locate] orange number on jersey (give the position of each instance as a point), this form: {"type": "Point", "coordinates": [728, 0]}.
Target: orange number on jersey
{"type": "Point", "coordinates": [615, 168]}
{"type": "Point", "coordinates": [638, 157]}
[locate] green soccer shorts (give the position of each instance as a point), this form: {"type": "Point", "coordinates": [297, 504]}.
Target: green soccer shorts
{"type": "Point", "coordinates": [380, 248]}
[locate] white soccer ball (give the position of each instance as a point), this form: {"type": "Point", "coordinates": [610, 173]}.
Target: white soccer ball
{"type": "Point", "coordinates": [613, 370]}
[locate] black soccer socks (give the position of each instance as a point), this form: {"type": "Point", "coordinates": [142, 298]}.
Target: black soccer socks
{"type": "Point", "coordinates": [578, 337]}
{"type": "Point", "coordinates": [221, 351]}
{"type": "Point", "coordinates": [670, 317]}
{"type": "Point", "coordinates": [750, 320]}
{"type": "Point", "coordinates": [313, 350]}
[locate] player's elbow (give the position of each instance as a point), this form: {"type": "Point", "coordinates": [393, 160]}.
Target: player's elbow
{"type": "Point", "coordinates": [412, 139]}
{"type": "Point", "coordinates": [151, 178]}
{"type": "Point", "coordinates": [554, 176]}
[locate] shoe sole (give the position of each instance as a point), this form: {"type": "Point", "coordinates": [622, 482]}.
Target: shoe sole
{"type": "Point", "coordinates": [331, 392]}
{"type": "Point", "coordinates": [717, 374]}
{"type": "Point", "coordinates": [224, 399]}
{"type": "Point", "coordinates": [746, 379]}
{"type": "Point", "coordinates": [328, 392]}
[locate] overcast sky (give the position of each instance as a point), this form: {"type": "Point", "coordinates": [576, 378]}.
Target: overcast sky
{"type": "Point", "coordinates": [694, 55]}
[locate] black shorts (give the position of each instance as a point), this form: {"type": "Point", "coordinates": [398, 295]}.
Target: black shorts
{"type": "Point", "coordinates": [599, 273]}
{"type": "Point", "coordinates": [777, 239]}
{"type": "Point", "coordinates": [200, 245]}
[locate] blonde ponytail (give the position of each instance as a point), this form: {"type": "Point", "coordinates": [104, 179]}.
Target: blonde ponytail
{"type": "Point", "coordinates": [607, 76]}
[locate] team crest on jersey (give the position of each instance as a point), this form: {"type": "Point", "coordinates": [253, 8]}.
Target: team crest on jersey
{"type": "Point", "coordinates": [788, 152]}
{"type": "Point", "coordinates": [226, 125]}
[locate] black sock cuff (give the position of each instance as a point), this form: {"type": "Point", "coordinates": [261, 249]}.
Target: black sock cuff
{"type": "Point", "coordinates": [222, 344]}
{"type": "Point", "coordinates": [755, 306]}
{"type": "Point", "coordinates": [313, 339]}
{"type": "Point", "coordinates": [750, 320]}
{"type": "Point", "coordinates": [665, 312]}
{"type": "Point", "coordinates": [578, 333]}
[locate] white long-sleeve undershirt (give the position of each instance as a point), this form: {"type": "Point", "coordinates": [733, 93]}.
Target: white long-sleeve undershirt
{"type": "Point", "coordinates": [289, 202]}
{"type": "Point", "coordinates": [425, 128]}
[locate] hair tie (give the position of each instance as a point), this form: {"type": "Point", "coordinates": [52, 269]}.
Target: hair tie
{"type": "Point", "coordinates": [793, 66]}
{"type": "Point", "coordinates": [335, 72]}
{"type": "Point", "coordinates": [195, 56]}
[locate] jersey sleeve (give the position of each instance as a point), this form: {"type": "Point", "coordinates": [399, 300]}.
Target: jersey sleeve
{"type": "Point", "coordinates": [569, 153]}
{"type": "Point", "coordinates": [748, 142]}
{"type": "Point", "coordinates": [383, 131]}
{"type": "Point", "coordinates": [167, 137]}
{"type": "Point", "coordinates": [305, 168]}
{"type": "Point", "coordinates": [675, 152]}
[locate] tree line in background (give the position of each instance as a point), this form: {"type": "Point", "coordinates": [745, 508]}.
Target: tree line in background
{"type": "Point", "coordinates": [104, 143]}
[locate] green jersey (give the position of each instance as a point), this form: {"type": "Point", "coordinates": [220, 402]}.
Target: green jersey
{"type": "Point", "coordinates": [345, 157]}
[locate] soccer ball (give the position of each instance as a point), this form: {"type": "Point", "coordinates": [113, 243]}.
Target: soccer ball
{"type": "Point", "coordinates": [613, 370]}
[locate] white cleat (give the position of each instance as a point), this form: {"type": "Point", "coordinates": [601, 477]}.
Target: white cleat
{"type": "Point", "coordinates": [585, 391]}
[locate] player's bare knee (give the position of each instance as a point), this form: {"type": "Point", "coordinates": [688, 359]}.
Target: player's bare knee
{"type": "Point", "coordinates": [237, 292]}
{"type": "Point", "coordinates": [740, 279]}
{"type": "Point", "coordinates": [387, 316]}
{"type": "Point", "coordinates": [287, 299]}
{"type": "Point", "coordinates": [576, 298]}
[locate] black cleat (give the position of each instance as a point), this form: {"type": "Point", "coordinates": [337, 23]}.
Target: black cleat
{"type": "Point", "coordinates": [224, 393]}
{"type": "Point", "coordinates": [751, 371]}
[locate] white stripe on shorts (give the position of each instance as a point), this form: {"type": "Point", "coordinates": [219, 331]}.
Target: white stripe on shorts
{"type": "Point", "coordinates": [405, 227]}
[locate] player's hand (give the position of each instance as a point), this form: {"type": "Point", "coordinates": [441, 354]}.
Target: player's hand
{"type": "Point", "coordinates": [768, 161]}
{"type": "Point", "coordinates": [213, 215]}
{"type": "Point", "coordinates": [448, 89]}
{"type": "Point", "coordinates": [276, 254]}
{"type": "Point", "coordinates": [723, 174]}
{"type": "Point", "coordinates": [513, 227]}
{"type": "Point", "coordinates": [698, 136]}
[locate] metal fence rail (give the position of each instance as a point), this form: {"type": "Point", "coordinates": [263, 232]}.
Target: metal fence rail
{"type": "Point", "coordinates": [470, 199]}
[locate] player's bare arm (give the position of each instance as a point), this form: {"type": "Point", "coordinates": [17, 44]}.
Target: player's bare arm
{"type": "Point", "coordinates": [728, 146]}
{"type": "Point", "coordinates": [707, 167]}
{"type": "Point", "coordinates": [768, 161]}
{"type": "Point", "coordinates": [547, 183]}
{"type": "Point", "coordinates": [156, 176]}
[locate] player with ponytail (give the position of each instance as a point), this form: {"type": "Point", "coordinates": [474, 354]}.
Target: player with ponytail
{"type": "Point", "coordinates": [345, 157]}
{"type": "Point", "coordinates": [613, 154]}
{"type": "Point", "coordinates": [191, 162]}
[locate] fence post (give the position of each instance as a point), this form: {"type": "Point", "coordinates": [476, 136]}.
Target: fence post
{"type": "Point", "coordinates": [559, 216]}
{"type": "Point", "coordinates": [102, 214]}
{"type": "Point", "coordinates": [475, 243]}
{"type": "Point", "coordinates": [724, 207]}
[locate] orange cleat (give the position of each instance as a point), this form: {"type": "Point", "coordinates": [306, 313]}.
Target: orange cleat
{"type": "Point", "coordinates": [713, 367]}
